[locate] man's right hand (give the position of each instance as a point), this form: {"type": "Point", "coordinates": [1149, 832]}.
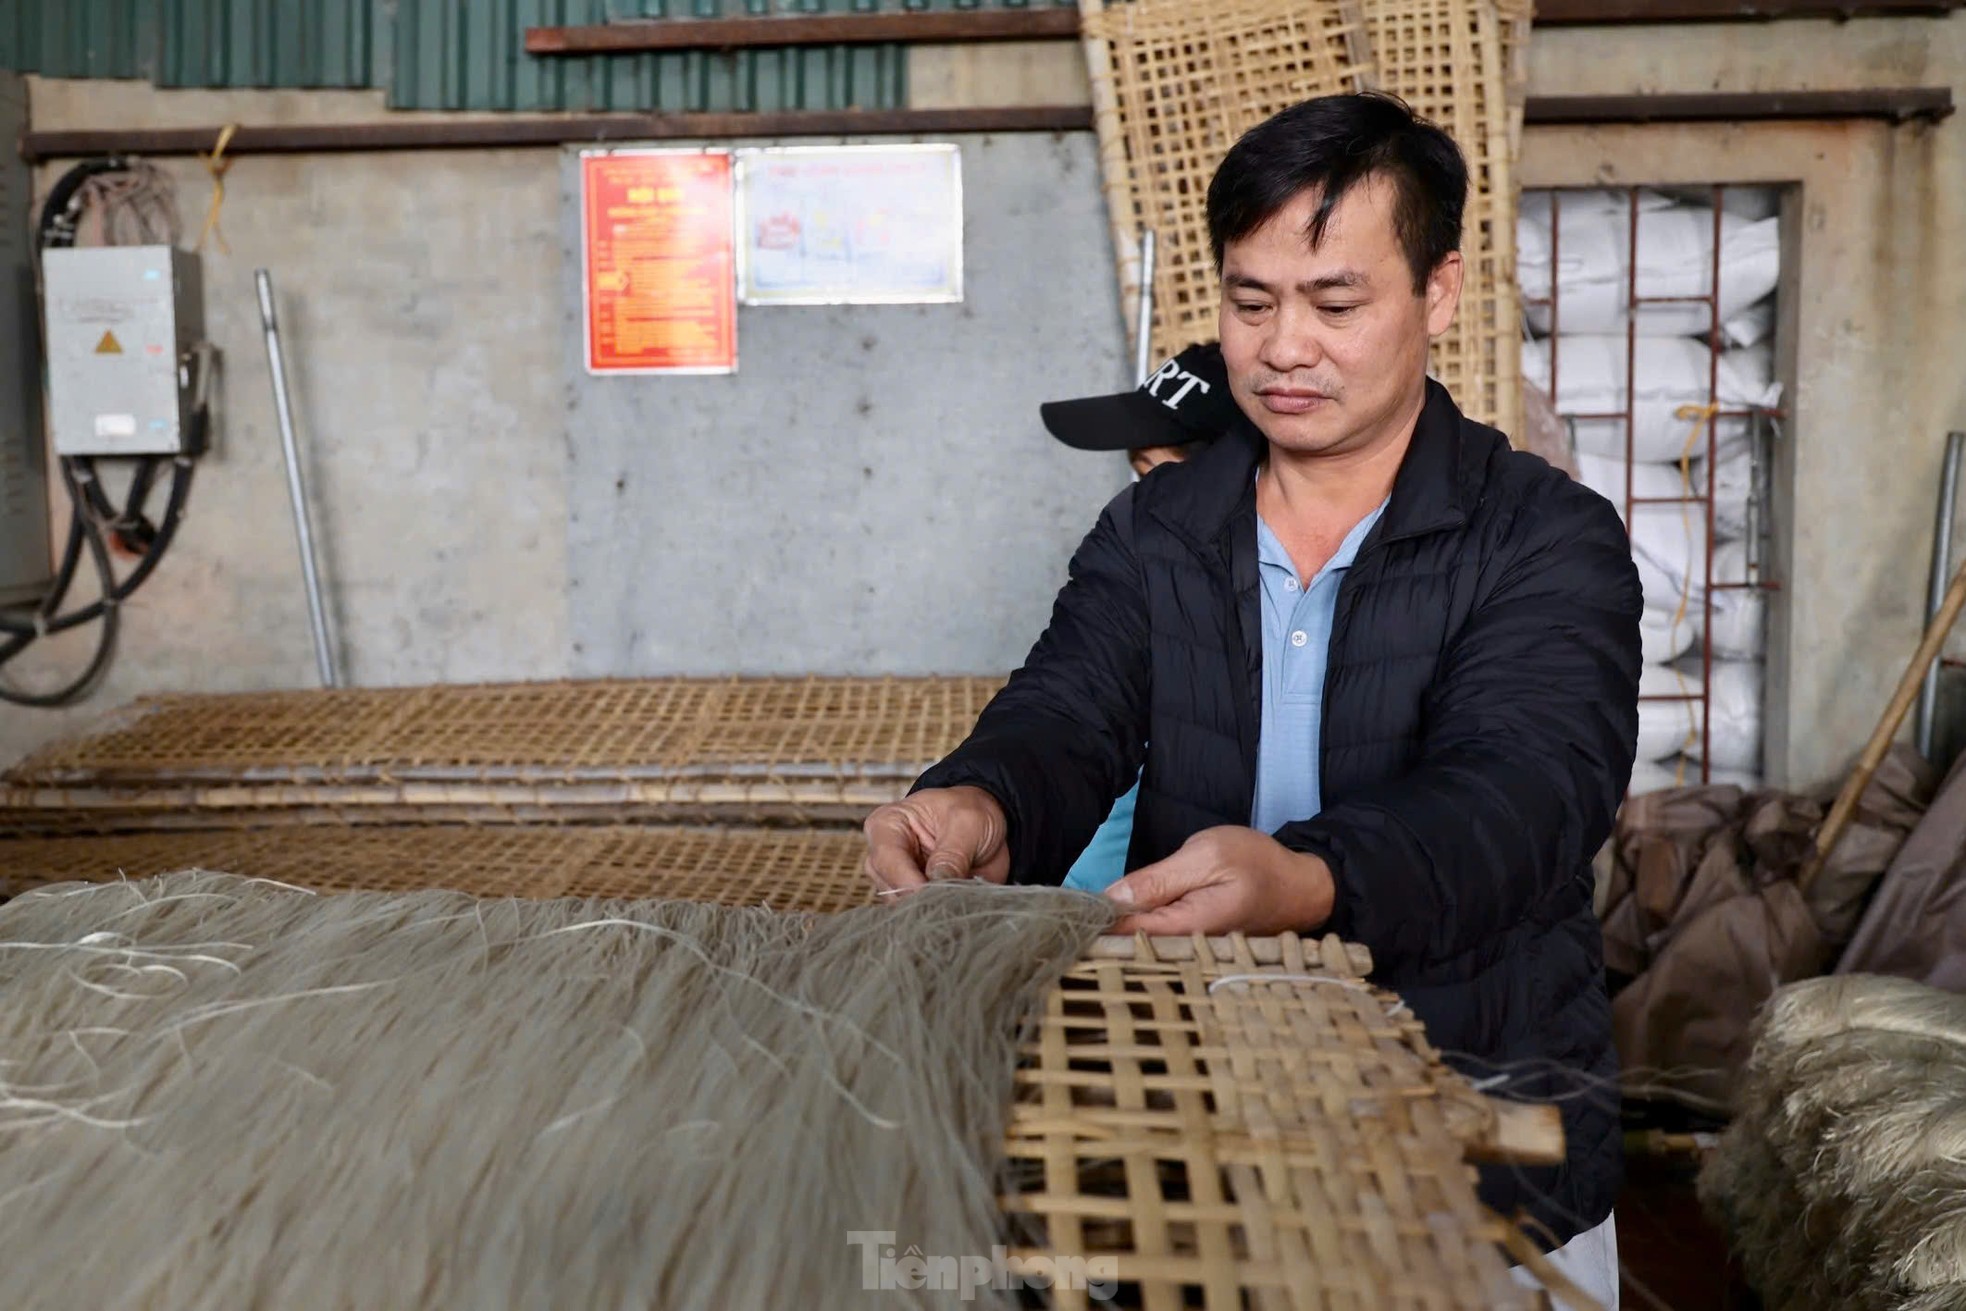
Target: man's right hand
{"type": "Point", "coordinates": [938, 833]}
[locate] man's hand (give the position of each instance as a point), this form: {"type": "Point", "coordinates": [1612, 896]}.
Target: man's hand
{"type": "Point", "coordinates": [1227, 880]}
{"type": "Point", "coordinates": [938, 833]}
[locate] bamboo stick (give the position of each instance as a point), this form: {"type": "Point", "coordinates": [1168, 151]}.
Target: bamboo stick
{"type": "Point", "coordinates": [1874, 751]}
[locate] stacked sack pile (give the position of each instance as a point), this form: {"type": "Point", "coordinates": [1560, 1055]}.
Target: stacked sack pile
{"type": "Point", "coordinates": [1597, 342]}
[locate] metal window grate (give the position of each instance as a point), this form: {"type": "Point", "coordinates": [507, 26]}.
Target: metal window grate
{"type": "Point", "coordinates": [1720, 427]}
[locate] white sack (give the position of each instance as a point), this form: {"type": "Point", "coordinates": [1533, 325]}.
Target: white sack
{"type": "Point", "coordinates": [1740, 615]}
{"type": "Point", "coordinates": [1666, 728]}
{"type": "Point", "coordinates": [1733, 480]}
{"type": "Point", "coordinates": [1736, 717]}
{"type": "Point", "coordinates": [1675, 258]}
{"type": "Point", "coordinates": [1672, 372]}
{"type": "Point", "coordinates": [1606, 476]}
{"type": "Point", "coordinates": [1664, 638]}
{"type": "Point", "coordinates": [1669, 545]}
{"type": "Point", "coordinates": [1751, 326]}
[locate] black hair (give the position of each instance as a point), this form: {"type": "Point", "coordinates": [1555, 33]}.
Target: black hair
{"type": "Point", "coordinates": [1330, 145]}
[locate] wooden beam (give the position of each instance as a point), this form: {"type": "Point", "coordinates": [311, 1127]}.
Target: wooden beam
{"type": "Point", "coordinates": [1890, 104]}
{"type": "Point", "coordinates": [1054, 22]}
{"type": "Point", "coordinates": [409, 133]}
{"type": "Point", "coordinates": [1030, 24]}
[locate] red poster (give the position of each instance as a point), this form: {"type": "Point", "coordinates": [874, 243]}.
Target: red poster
{"type": "Point", "coordinates": [659, 277]}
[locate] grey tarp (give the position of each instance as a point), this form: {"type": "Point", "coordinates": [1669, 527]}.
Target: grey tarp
{"type": "Point", "coordinates": [1915, 927]}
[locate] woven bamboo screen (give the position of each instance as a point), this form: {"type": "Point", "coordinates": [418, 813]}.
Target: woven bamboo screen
{"type": "Point", "coordinates": [1237, 1130]}
{"type": "Point", "coordinates": [680, 750]}
{"type": "Point", "coordinates": [803, 869]}
{"type": "Point", "coordinates": [1460, 63]}
{"type": "Point", "coordinates": [525, 731]}
{"type": "Point", "coordinates": [1174, 84]}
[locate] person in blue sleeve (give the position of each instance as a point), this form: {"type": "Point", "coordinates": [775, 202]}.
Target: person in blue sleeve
{"type": "Point", "coordinates": [1182, 406]}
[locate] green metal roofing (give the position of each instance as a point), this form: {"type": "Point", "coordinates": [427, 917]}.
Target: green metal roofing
{"type": "Point", "coordinates": [455, 54]}
{"type": "Point", "coordinates": [85, 38]}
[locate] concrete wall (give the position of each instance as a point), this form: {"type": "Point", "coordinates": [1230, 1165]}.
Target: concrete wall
{"type": "Point", "coordinates": [425, 295]}
{"type": "Point", "coordinates": [420, 302]}
{"type": "Point", "coordinates": [872, 492]}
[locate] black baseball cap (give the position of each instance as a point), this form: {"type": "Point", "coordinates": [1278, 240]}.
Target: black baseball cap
{"type": "Point", "coordinates": [1184, 400]}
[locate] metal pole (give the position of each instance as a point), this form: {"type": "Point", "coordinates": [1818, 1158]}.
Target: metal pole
{"type": "Point", "coordinates": [296, 487]}
{"type": "Point", "coordinates": [1143, 322]}
{"type": "Point", "coordinates": [1935, 589]}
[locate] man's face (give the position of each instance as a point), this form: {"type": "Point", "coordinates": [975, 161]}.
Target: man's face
{"type": "Point", "coordinates": [1327, 348]}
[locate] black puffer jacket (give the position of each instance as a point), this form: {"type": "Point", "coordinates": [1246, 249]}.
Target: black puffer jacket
{"type": "Point", "coordinates": [1480, 718]}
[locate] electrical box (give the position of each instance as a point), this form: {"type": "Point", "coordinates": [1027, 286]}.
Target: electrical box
{"type": "Point", "coordinates": [122, 321]}
{"type": "Point", "coordinates": [26, 568]}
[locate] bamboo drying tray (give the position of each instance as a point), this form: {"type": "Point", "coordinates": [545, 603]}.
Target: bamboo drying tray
{"type": "Point", "coordinates": [792, 749]}
{"type": "Point", "coordinates": [1233, 1121]}
{"type": "Point", "coordinates": [1174, 83]}
{"type": "Point", "coordinates": [1242, 1122]}
{"type": "Point", "coordinates": [806, 869]}
{"type": "Point", "coordinates": [1462, 64]}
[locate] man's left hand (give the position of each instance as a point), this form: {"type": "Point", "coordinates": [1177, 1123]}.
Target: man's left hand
{"type": "Point", "coordinates": [1227, 880]}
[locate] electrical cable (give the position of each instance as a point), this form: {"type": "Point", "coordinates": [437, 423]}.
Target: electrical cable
{"type": "Point", "coordinates": [106, 608]}
{"type": "Point", "coordinates": [61, 213]}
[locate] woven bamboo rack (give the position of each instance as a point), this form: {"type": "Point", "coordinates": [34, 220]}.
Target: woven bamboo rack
{"type": "Point", "coordinates": [1175, 83]}
{"type": "Point", "coordinates": [1463, 64]}
{"type": "Point", "coordinates": [1233, 1121]}
{"type": "Point", "coordinates": [805, 869]}
{"type": "Point", "coordinates": [1245, 1123]}
{"type": "Point", "coordinates": [767, 749]}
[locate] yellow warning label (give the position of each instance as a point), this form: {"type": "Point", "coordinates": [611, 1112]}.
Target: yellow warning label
{"type": "Point", "coordinates": [109, 345]}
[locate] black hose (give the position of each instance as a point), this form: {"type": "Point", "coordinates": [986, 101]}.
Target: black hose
{"type": "Point", "coordinates": [106, 639]}
{"type": "Point", "coordinates": [85, 525]}
{"type": "Point", "coordinates": [132, 531]}
{"type": "Point", "coordinates": [26, 630]}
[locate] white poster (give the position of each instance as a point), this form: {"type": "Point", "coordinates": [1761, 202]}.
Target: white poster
{"type": "Point", "coordinates": [850, 225]}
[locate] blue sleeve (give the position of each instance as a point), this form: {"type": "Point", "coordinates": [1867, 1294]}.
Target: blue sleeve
{"type": "Point", "coordinates": [1104, 859]}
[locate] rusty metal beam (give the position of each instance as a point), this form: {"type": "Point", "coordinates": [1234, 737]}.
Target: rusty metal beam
{"type": "Point", "coordinates": [1575, 13]}
{"type": "Point", "coordinates": [1890, 104]}
{"type": "Point", "coordinates": [455, 134]}
{"type": "Point", "coordinates": [804, 30]}
{"type": "Point", "coordinates": [1895, 105]}
{"type": "Point", "coordinates": [1036, 24]}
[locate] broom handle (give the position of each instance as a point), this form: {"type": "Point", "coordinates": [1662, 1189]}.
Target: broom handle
{"type": "Point", "coordinates": [1887, 728]}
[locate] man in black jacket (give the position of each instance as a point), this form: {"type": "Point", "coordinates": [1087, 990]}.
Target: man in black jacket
{"type": "Point", "coordinates": [1382, 671]}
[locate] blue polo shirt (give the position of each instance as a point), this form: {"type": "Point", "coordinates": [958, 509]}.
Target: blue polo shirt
{"type": "Point", "coordinates": [1297, 622]}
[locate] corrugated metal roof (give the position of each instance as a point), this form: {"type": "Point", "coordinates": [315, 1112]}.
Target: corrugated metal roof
{"type": "Point", "coordinates": [268, 43]}
{"type": "Point", "coordinates": [455, 54]}
{"type": "Point", "coordinates": [451, 56]}
{"type": "Point", "coordinates": [79, 38]}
